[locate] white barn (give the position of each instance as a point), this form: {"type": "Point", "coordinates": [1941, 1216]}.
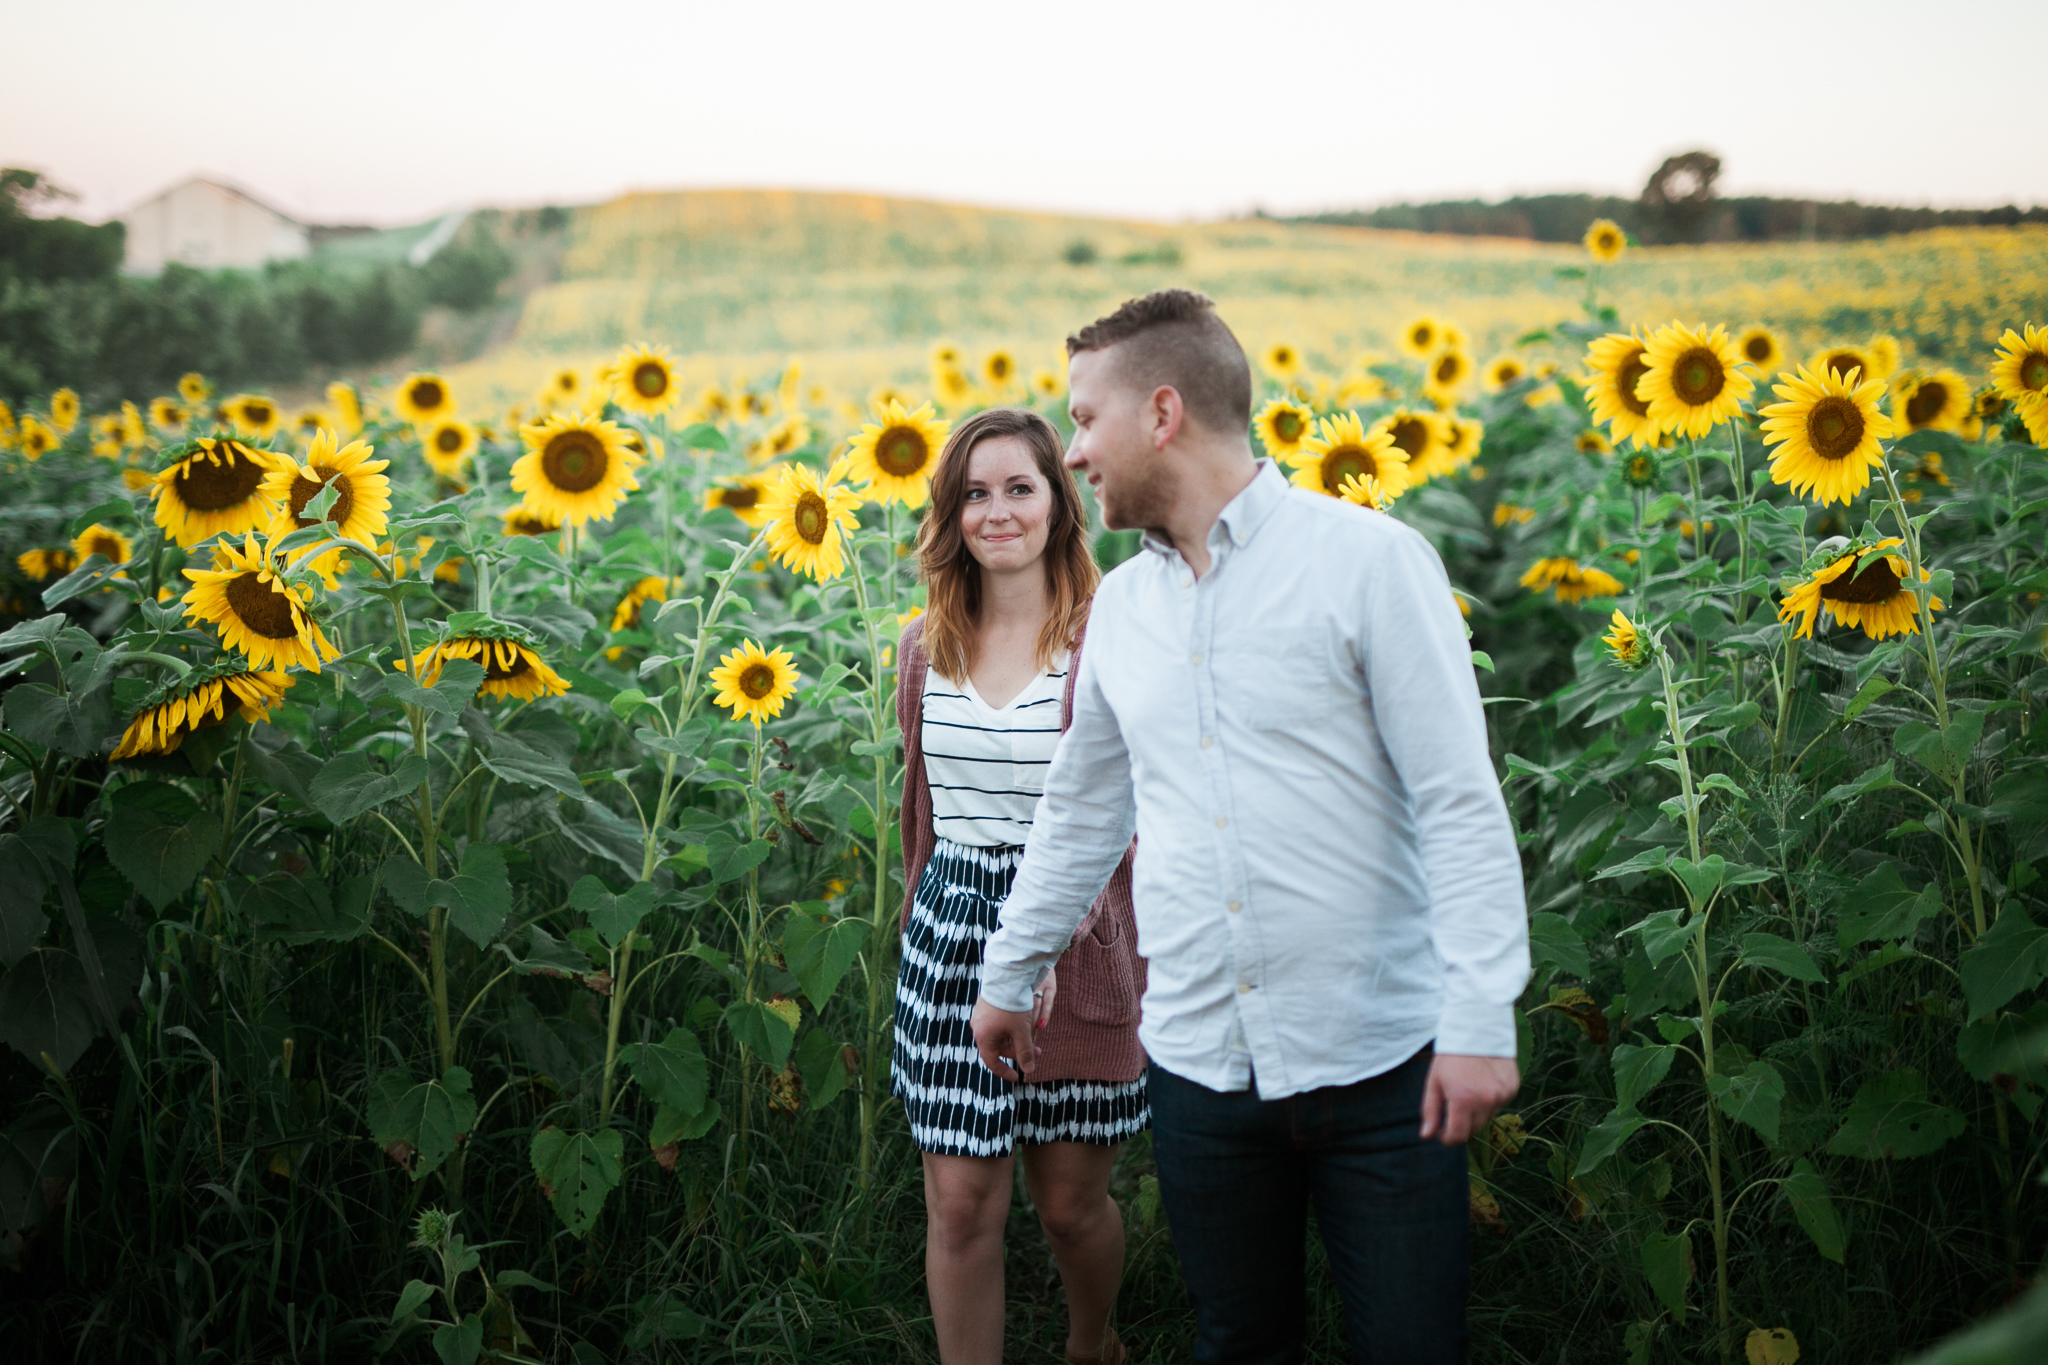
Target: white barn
{"type": "Point", "coordinates": [211, 226]}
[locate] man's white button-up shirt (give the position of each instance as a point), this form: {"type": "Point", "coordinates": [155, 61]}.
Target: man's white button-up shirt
{"type": "Point", "coordinates": [1326, 875]}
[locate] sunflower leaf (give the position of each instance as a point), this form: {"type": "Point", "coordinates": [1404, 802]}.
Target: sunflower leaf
{"type": "Point", "coordinates": [673, 1071]}
{"type": "Point", "coordinates": [452, 690]}
{"type": "Point", "coordinates": [1751, 1096]}
{"type": "Point", "coordinates": [1667, 1262]}
{"type": "Point", "coordinates": [1891, 1116]}
{"type": "Point", "coordinates": [701, 436]}
{"type": "Point", "coordinates": [820, 952]}
{"type": "Point", "coordinates": [1780, 955]}
{"type": "Point", "coordinates": [429, 1117]}
{"type": "Point", "coordinates": [160, 839]}
{"type": "Point", "coordinates": [1883, 907]}
{"type": "Point", "coordinates": [1876, 779]}
{"type": "Point", "coordinates": [2011, 957]}
{"type": "Point", "coordinates": [530, 767]}
{"type": "Point", "coordinates": [1553, 939]}
{"type": "Point", "coordinates": [1663, 934]}
{"type": "Point", "coordinates": [1605, 1140]}
{"type": "Point", "coordinates": [822, 1064]}
{"type": "Point", "coordinates": [760, 1029]}
{"type": "Point", "coordinates": [1638, 1070]}
{"type": "Point", "coordinates": [613, 916]}
{"type": "Point", "coordinates": [350, 784]}
{"type": "Point", "coordinates": [479, 895]}
{"type": "Point", "coordinates": [1807, 1192]}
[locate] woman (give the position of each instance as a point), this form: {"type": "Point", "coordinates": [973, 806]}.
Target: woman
{"type": "Point", "coordinates": [984, 687]}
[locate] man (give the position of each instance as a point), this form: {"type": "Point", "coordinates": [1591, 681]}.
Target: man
{"type": "Point", "coordinates": [1278, 699]}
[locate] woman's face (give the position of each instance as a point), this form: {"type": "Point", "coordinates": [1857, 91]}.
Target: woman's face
{"type": "Point", "coordinates": [1007, 511]}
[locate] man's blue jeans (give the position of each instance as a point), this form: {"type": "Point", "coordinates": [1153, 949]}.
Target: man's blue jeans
{"type": "Point", "coordinates": [1237, 1175]}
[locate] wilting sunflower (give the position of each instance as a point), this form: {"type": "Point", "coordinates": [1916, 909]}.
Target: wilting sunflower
{"type": "Point", "coordinates": [1626, 643]}
{"type": "Point", "coordinates": [1593, 441]}
{"type": "Point", "coordinates": [754, 683]}
{"type": "Point", "coordinates": [644, 380]}
{"type": "Point", "coordinates": [1605, 241]}
{"type": "Point", "coordinates": [1502, 371]}
{"type": "Point", "coordinates": [575, 469]}
{"type": "Point", "coordinates": [64, 410]}
{"type": "Point", "coordinates": [521, 521]}
{"type": "Point", "coordinates": [1462, 438]}
{"type": "Point", "coordinates": [446, 444]}
{"type": "Point", "coordinates": [785, 437]}
{"type": "Point", "coordinates": [1843, 359]}
{"type": "Point", "coordinates": [347, 406]}
{"type": "Point", "coordinates": [806, 515]}
{"type": "Point", "coordinates": [40, 566]}
{"type": "Point", "coordinates": [255, 611]}
{"type": "Point", "coordinates": [999, 371]}
{"type": "Point", "coordinates": [1421, 337]}
{"type": "Point", "coordinates": [168, 415]}
{"type": "Point", "coordinates": [361, 504]}
{"type": "Point", "coordinates": [1760, 349]}
{"type": "Point", "coordinates": [1367, 491]}
{"type": "Point", "coordinates": [510, 658]}
{"type": "Point", "coordinates": [1690, 379]}
{"type": "Point", "coordinates": [423, 397]}
{"type": "Point", "coordinates": [253, 415]}
{"type": "Point", "coordinates": [214, 489]}
{"type": "Point", "coordinates": [1938, 401]}
{"type": "Point", "coordinates": [1341, 447]}
{"type": "Point", "coordinates": [893, 456]}
{"type": "Point", "coordinates": [1282, 426]}
{"type": "Point", "coordinates": [1827, 435]}
{"type": "Point", "coordinates": [2020, 374]}
{"type": "Point", "coordinates": [1423, 436]}
{"type": "Point", "coordinates": [1048, 384]}
{"type": "Point", "coordinates": [1617, 361]}
{"type": "Point", "coordinates": [742, 495]}
{"type": "Point", "coordinates": [199, 701]}
{"type": "Point", "coordinates": [627, 613]}
{"type": "Point", "coordinates": [1876, 600]}
{"type": "Point", "coordinates": [104, 541]}
{"type": "Point", "coordinates": [38, 438]}
{"type": "Point", "coordinates": [193, 388]}
{"type": "Point", "coordinates": [1572, 581]}
{"type": "Point", "coordinates": [1282, 360]}
{"type": "Point", "coordinates": [1447, 375]}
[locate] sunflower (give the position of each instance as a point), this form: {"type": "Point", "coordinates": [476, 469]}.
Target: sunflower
{"type": "Point", "coordinates": [1827, 435]}
{"type": "Point", "coordinates": [575, 469]}
{"type": "Point", "coordinates": [754, 683]}
{"type": "Point", "coordinates": [713, 405]}
{"type": "Point", "coordinates": [1843, 359]}
{"type": "Point", "coordinates": [446, 444]}
{"type": "Point", "coordinates": [644, 380]}
{"type": "Point", "coordinates": [199, 701]}
{"type": "Point", "coordinates": [1282, 360]}
{"type": "Point", "coordinates": [253, 415]}
{"type": "Point", "coordinates": [1875, 600]}
{"type": "Point", "coordinates": [168, 414]}
{"type": "Point", "coordinates": [38, 438]}
{"type": "Point", "coordinates": [2020, 374]}
{"type": "Point", "coordinates": [893, 456]}
{"type": "Point", "coordinates": [1605, 241]}
{"type": "Point", "coordinates": [785, 437]}
{"type": "Point", "coordinates": [7, 426]}
{"type": "Point", "coordinates": [1991, 405]}
{"type": "Point", "coordinates": [1938, 401]}
{"type": "Point", "coordinates": [1367, 491]}
{"type": "Point", "coordinates": [40, 566]}
{"type": "Point", "coordinates": [743, 494]}
{"type": "Point", "coordinates": [627, 614]}
{"type": "Point", "coordinates": [1690, 379]}
{"type": "Point", "coordinates": [308, 422]}
{"type": "Point", "coordinates": [1448, 373]}
{"type": "Point", "coordinates": [64, 410]}
{"type": "Point", "coordinates": [1282, 425]}
{"type": "Point", "coordinates": [1761, 349]}
{"type": "Point", "coordinates": [1508, 514]}
{"type": "Point", "coordinates": [362, 497]}
{"type": "Point", "coordinates": [1462, 438]}
{"type": "Point", "coordinates": [1617, 361]}
{"type": "Point", "coordinates": [953, 387]}
{"type": "Point", "coordinates": [1423, 436]}
{"type": "Point", "coordinates": [103, 541]}
{"type": "Point", "coordinates": [946, 355]}
{"type": "Point", "coordinates": [1421, 337]}
{"type": "Point", "coordinates": [1884, 354]}
{"type": "Point", "coordinates": [347, 407]}
{"type": "Point", "coordinates": [1626, 643]}
{"type": "Point", "coordinates": [1359, 389]}
{"type": "Point", "coordinates": [1341, 447]}
{"type": "Point", "coordinates": [423, 397]}
{"type": "Point", "coordinates": [193, 388]}
{"type": "Point", "coordinates": [999, 371]}
{"type": "Point", "coordinates": [1593, 441]}
{"type": "Point", "coordinates": [133, 432]}
{"type": "Point", "coordinates": [790, 388]}
{"type": "Point", "coordinates": [255, 610]}
{"type": "Point", "coordinates": [521, 521]}
{"type": "Point", "coordinates": [510, 658]}
{"type": "Point", "coordinates": [216, 489]}
{"type": "Point", "coordinates": [1047, 384]}
{"type": "Point", "coordinates": [1572, 581]}
{"type": "Point", "coordinates": [1502, 371]}
{"type": "Point", "coordinates": [106, 436]}
{"type": "Point", "coordinates": [806, 515]}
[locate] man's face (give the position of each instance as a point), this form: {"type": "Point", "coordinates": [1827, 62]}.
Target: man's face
{"type": "Point", "coordinates": [1115, 444]}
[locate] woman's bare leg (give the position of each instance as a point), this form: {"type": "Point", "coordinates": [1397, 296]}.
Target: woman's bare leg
{"type": "Point", "coordinates": [1070, 1186]}
{"type": "Point", "coordinates": [966, 1202]}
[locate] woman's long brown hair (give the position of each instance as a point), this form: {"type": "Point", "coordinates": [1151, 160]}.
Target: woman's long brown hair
{"type": "Point", "coordinates": [952, 577]}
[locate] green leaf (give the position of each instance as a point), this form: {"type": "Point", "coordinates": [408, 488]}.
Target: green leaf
{"type": "Point", "coordinates": [453, 689]}
{"type": "Point", "coordinates": [761, 1031]}
{"type": "Point", "coordinates": [822, 1064]}
{"type": "Point", "coordinates": [612, 916]}
{"type": "Point", "coordinates": [113, 509]}
{"type": "Point", "coordinates": [415, 1293]}
{"type": "Point", "coordinates": [160, 838]}
{"type": "Point", "coordinates": [1883, 907]}
{"type": "Point", "coordinates": [662, 1318]}
{"type": "Point", "coordinates": [678, 1125]}
{"type": "Point", "coordinates": [519, 1279]}
{"type": "Point", "coordinates": [701, 436]}
{"type": "Point", "coordinates": [1553, 939]}
{"type": "Point", "coordinates": [578, 1171]}
{"type": "Point", "coordinates": [45, 1008]}
{"type": "Point", "coordinates": [27, 857]}
{"type": "Point", "coordinates": [820, 953]}
{"type": "Point", "coordinates": [42, 715]}
{"type": "Point", "coordinates": [627, 702]}
{"type": "Point", "coordinates": [1605, 1140]}
{"type": "Point", "coordinates": [730, 859]}
{"type": "Point", "coordinates": [350, 784]}
{"type": "Point", "coordinates": [1721, 782]}
{"type": "Point", "coordinates": [406, 882]}
{"type": "Point", "coordinates": [547, 955]}
{"type": "Point", "coordinates": [672, 1072]}
{"type": "Point", "coordinates": [1942, 753]}
{"type": "Point", "coordinates": [1481, 659]}
{"type": "Point", "coordinates": [530, 767]}
{"type": "Point", "coordinates": [1875, 779]}
{"type": "Point", "coordinates": [428, 1116]}
{"type": "Point", "coordinates": [1752, 1096]}
{"type": "Point", "coordinates": [1780, 955]}
{"type": "Point", "coordinates": [1663, 934]}
{"type": "Point", "coordinates": [2011, 957]}
{"type": "Point", "coordinates": [1702, 879]}
{"type": "Point", "coordinates": [1667, 1261]}
{"type": "Point", "coordinates": [1865, 695]}
{"type": "Point", "coordinates": [479, 896]}
{"type": "Point", "coordinates": [1637, 1071]}
{"type": "Point", "coordinates": [300, 910]}
{"type": "Point", "coordinates": [1891, 1116]}
{"type": "Point", "coordinates": [1808, 1195]}
{"type": "Point", "coordinates": [460, 1343]}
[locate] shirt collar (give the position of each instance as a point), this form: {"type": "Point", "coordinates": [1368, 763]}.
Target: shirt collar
{"type": "Point", "coordinates": [1242, 516]}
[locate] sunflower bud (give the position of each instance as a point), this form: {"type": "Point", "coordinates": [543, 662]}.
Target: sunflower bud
{"type": "Point", "coordinates": [1627, 644]}
{"type": "Point", "coordinates": [430, 1229]}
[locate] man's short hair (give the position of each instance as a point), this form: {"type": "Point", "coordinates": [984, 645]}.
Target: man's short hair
{"type": "Point", "coordinates": [1175, 338]}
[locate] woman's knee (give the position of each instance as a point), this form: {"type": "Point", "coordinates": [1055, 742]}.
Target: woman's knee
{"type": "Point", "coordinates": [961, 1214]}
{"type": "Point", "coordinates": [1071, 1213]}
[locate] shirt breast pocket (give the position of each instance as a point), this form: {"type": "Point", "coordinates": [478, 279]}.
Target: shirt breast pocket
{"type": "Point", "coordinates": [1286, 680]}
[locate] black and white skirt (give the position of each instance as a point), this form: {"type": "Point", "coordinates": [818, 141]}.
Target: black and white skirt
{"type": "Point", "coordinates": [957, 1106]}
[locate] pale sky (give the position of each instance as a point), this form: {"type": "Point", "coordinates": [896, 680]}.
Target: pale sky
{"type": "Point", "coordinates": [389, 111]}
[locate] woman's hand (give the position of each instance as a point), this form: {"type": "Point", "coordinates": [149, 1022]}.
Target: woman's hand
{"type": "Point", "coordinates": [1041, 999]}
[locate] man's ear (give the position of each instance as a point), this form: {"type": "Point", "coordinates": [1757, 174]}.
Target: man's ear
{"type": "Point", "coordinates": [1165, 414]}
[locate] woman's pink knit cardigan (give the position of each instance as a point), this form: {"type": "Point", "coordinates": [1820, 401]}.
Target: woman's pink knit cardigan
{"type": "Point", "coordinates": [1093, 1032]}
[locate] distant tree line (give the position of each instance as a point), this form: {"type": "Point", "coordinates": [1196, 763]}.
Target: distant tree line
{"type": "Point", "coordinates": [68, 317]}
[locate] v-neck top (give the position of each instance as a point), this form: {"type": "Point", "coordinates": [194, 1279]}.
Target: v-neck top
{"type": "Point", "coordinates": [986, 765]}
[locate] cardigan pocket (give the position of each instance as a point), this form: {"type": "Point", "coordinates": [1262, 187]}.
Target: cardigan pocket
{"type": "Point", "coordinates": [1097, 975]}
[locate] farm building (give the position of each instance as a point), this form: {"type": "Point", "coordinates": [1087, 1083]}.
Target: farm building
{"type": "Point", "coordinates": [210, 225]}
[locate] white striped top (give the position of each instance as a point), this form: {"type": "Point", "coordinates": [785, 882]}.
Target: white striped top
{"type": "Point", "coordinates": [986, 767]}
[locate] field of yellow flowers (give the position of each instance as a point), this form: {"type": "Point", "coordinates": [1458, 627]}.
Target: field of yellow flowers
{"type": "Point", "coordinates": [450, 858]}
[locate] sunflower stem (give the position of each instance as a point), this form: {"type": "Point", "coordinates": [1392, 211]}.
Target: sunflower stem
{"type": "Point", "coordinates": [880, 977]}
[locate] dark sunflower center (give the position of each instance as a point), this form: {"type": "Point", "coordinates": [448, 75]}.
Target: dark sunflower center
{"type": "Point", "coordinates": [741, 499]}
{"type": "Point", "coordinates": [1625, 376]}
{"type": "Point", "coordinates": [1605, 240]}
{"type": "Point", "coordinates": [1411, 434]}
{"type": "Point", "coordinates": [304, 490]}
{"type": "Point", "coordinates": [1283, 357]}
{"type": "Point", "coordinates": [650, 380]}
{"type": "Point", "coordinates": [1448, 369]}
{"type": "Point", "coordinates": [1877, 583]}
{"type": "Point", "coordinates": [258, 414]}
{"type": "Point", "coordinates": [574, 461]}
{"type": "Point", "coordinates": [1844, 361]}
{"type": "Point", "coordinates": [758, 681]}
{"type": "Point", "coordinates": [1421, 337]}
{"type": "Point", "coordinates": [1697, 377]}
{"type": "Point", "coordinates": [1506, 374]}
{"type": "Point", "coordinates": [999, 366]}
{"type": "Point", "coordinates": [105, 546]}
{"type": "Point", "coordinates": [1289, 425]}
{"type": "Point", "coordinates": [1834, 428]}
{"type": "Point", "coordinates": [2034, 372]}
{"type": "Point", "coordinates": [263, 607]}
{"type": "Point", "coordinates": [205, 486]}
{"type": "Point", "coordinates": [427, 395]}
{"type": "Point", "coordinates": [528, 526]}
{"type": "Point", "coordinates": [1757, 349]}
{"type": "Point", "coordinates": [811, 518]}
{"type": "Point", "coordinates": [901, 451]}
{"type": "Point", "coordinates": [521, 665]}
{"type": "Point", "coordinates": [448, 440]}
{"type": "Point", "coordinates": [566, 383]}
{"type": "Point", "coordinates": [1927, 403]}
{"type": "Point", "coordinates": [1991, 405]}
{"type": "Point", "coordinates": [1343, 462]}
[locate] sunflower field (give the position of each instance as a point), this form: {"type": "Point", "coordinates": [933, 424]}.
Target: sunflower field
{"type": "Point", "coordinates": [449, 866]}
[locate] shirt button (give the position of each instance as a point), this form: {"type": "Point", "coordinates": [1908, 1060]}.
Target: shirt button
{"type": "Point", "coordinates": [1244, 987]}
{"type": "Point", "coordinates": [1235, 906]}
{"type": "Point", "coordinates": [1195, 659]}
{"type": "Point", "coordinates": [1208, 740]}
{"type": "Point", "coordinates": [1221, 822]}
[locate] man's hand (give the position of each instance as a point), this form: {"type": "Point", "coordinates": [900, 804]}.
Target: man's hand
{"type": "Point", "coordinates": [1461, 1095]}
{"type": "Point", "coordinates": [999, 1034]}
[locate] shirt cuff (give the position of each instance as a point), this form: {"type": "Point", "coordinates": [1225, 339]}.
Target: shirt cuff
{"type": "Point", "coordinates": [1471, 1029]}
{"type": "Point", "coordinates": [1009, 988]}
